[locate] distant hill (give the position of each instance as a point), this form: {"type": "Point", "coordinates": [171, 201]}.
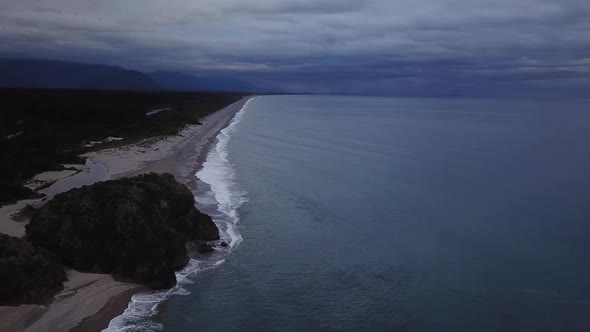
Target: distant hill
{"type": "Point", "coordinates": [186, 82]}
{"type": "Point", "coordinates": [24, 73]}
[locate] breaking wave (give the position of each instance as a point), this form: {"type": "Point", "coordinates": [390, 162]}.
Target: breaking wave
{"type": "Point", "coordinates": [218, 173]}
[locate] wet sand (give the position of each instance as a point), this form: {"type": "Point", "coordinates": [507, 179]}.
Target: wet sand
{"type": "Point", "coordinates": [88, 301]}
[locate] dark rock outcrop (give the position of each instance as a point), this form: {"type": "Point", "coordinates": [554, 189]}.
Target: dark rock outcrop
{"type": "Point", "coordinates": [28, 274]}
{"type": "Point", "coordinates": [135, 228]}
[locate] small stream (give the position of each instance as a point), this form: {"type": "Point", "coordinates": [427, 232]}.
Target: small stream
{"type": "Point", "coordinates": [95, 172]}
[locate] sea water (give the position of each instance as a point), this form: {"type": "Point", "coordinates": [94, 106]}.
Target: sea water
{"type": "Point", "coordinates": [390, 214]}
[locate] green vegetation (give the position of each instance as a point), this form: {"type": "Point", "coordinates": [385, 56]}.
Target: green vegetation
{"type": "Point", "coordinates": [135, 228]}
{"type": "Point", "coordinates": [40, 129]}
{"type": "Point", "coordinates": [28, 274]}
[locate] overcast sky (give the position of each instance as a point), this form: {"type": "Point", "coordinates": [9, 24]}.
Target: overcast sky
{"type": "Point", "coordinates": [322, 45]}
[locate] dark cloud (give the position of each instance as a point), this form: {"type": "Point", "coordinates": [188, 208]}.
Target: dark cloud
{"type": "Point", "coordinates": [345, 44]}
{"type": "Point", "coordinates": [297, 7]}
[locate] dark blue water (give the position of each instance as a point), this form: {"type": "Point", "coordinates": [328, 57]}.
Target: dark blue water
{"type": "Point", "coordinates": [403, 215]}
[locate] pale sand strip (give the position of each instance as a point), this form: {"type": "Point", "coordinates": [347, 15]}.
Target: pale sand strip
{"type": "Point", "coordinates": [84, 295]}
{"type": "Point", "coordinates": [89, 301]}
{"type": "Point", "coordinates": [8, 221]}
{"type": "Point", "coordinates": [178, 155]}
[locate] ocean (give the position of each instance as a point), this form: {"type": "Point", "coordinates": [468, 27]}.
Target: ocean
{"type": "Point", "coordinates": [390, 214]}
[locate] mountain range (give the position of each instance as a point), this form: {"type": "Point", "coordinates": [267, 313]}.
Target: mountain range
{"type": "Point", "coordinates": [27, 73]}
{"type": "Point", "coordinates": [186, 82]}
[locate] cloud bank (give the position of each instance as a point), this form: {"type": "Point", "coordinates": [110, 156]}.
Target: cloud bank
{"type": "Point", "coordinates": [322, 45]}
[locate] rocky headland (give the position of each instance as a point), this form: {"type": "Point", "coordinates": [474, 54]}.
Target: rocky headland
{"type": "Point", "coordinates": [133, 228]}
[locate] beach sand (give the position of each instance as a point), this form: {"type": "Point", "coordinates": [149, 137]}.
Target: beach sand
{"type": "Point", "coordinates": [89, 301]}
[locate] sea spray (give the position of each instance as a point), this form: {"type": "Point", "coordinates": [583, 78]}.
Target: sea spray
{"type": "Point", "coordinates": [218, 173]}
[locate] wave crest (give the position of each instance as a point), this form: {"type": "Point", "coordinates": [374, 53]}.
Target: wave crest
{"type": "Point", "coordinates": [219, 174]}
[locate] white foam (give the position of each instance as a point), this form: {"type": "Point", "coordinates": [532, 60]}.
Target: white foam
{"type": "Point", "coordinates": [219, 174]}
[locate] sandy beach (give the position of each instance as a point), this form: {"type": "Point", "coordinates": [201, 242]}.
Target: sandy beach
{"type": "Point", "coordinates": [89, 301]}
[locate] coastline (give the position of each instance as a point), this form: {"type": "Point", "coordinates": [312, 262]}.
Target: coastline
{"type": "Point", "coordinates": [88, 301]}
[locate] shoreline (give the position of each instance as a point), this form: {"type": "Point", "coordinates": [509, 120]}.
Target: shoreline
{"type": "Point", "coordinates": [88, 301]}
{"type": "Point", "coordinates": [113, 308]}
